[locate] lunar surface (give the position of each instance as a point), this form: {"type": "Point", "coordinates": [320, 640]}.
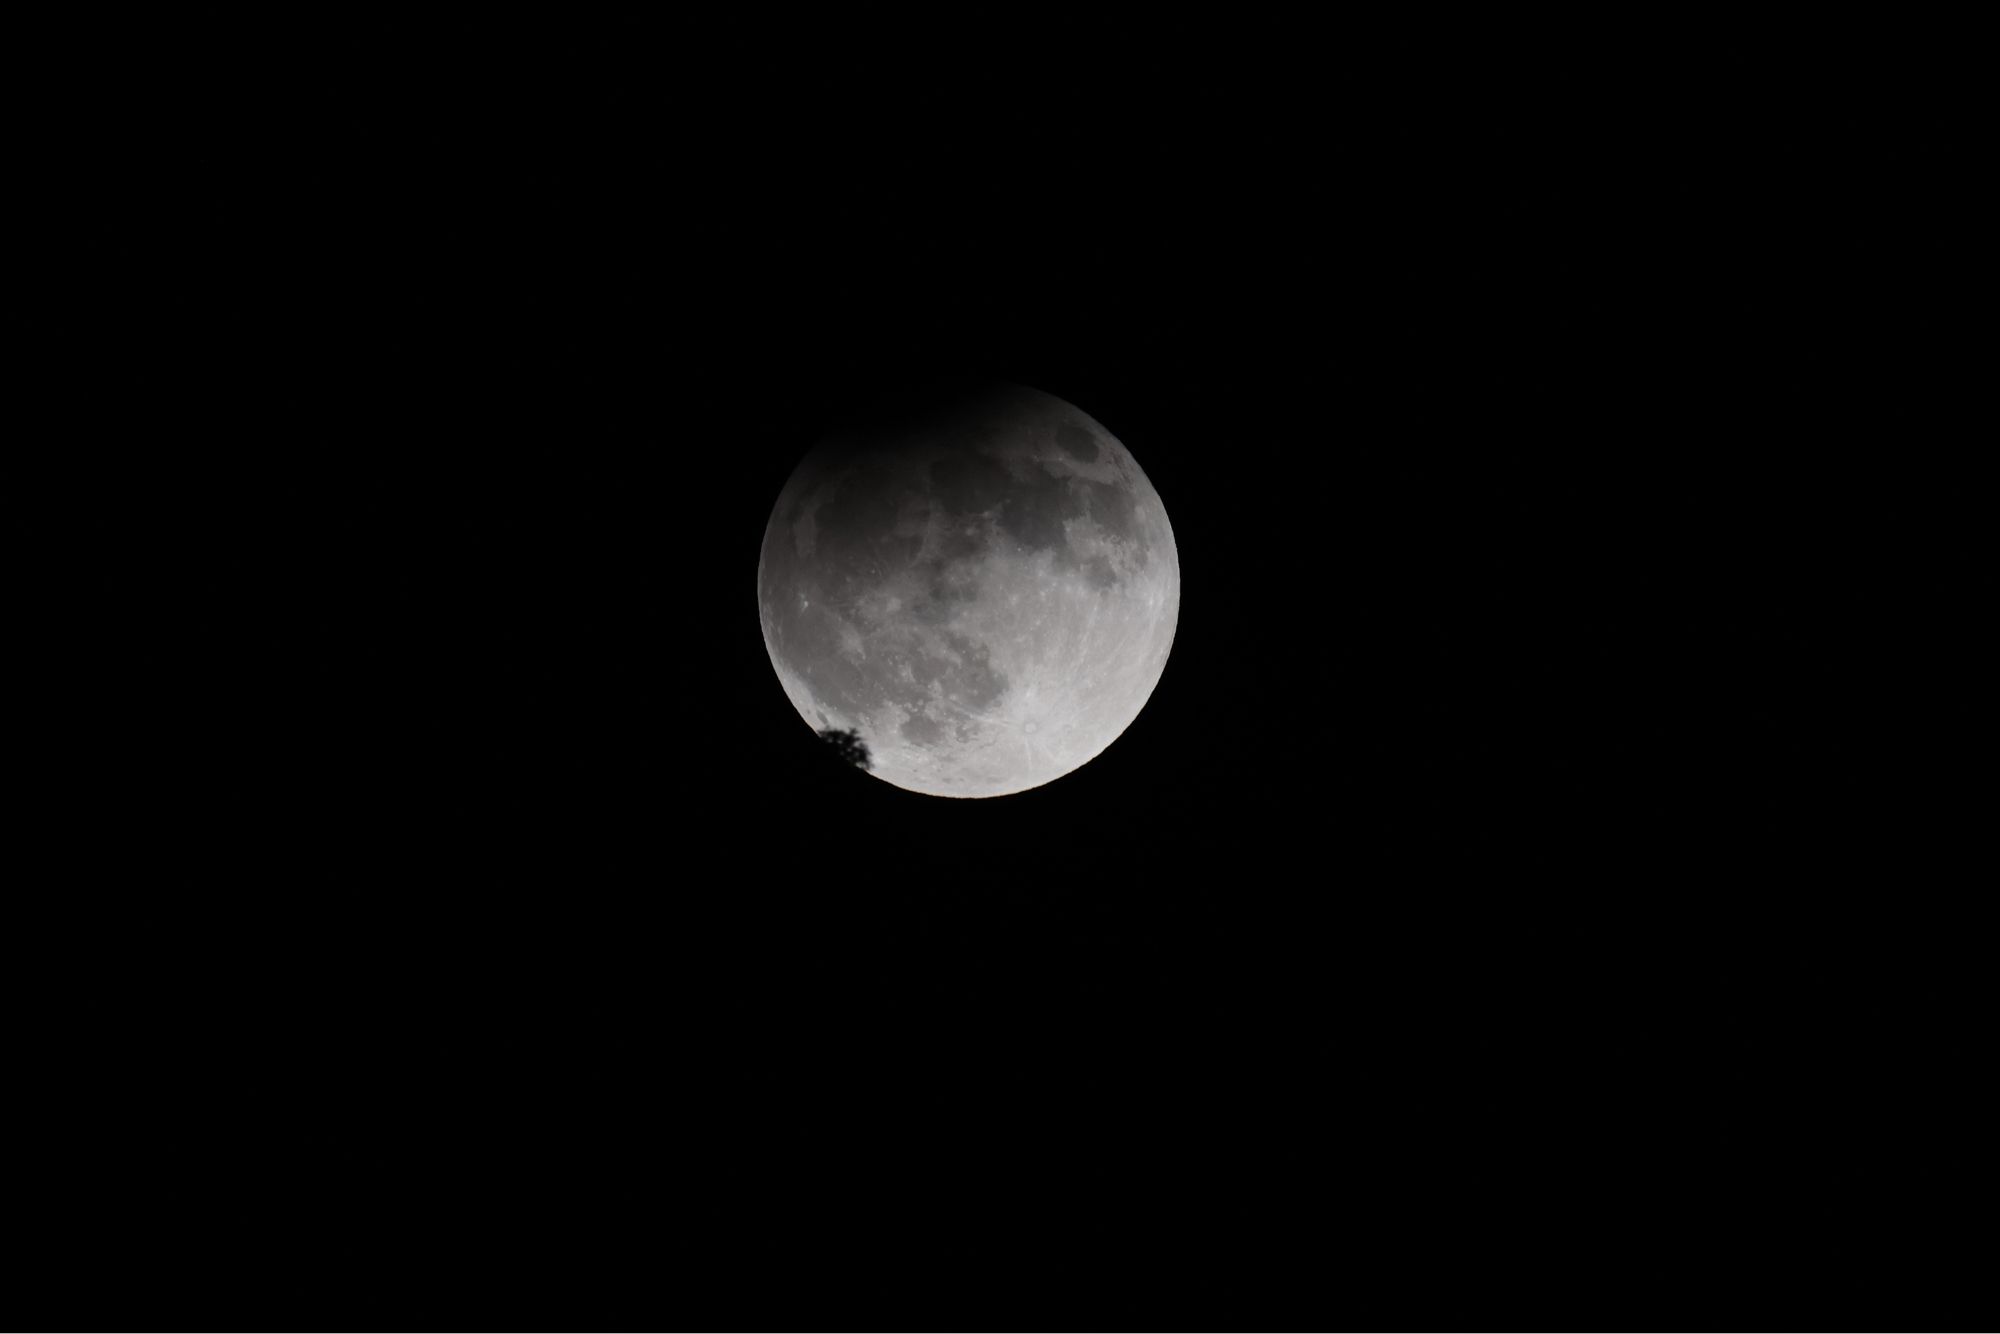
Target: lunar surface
{"type": "Point", "coordinates": [984, 586]}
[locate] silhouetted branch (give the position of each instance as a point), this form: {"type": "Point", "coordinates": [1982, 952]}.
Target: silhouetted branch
{"type": "Point", "coordinates": [848, 745]}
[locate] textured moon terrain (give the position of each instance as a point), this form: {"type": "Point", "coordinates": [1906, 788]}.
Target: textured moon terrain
{"type": "Point", "coordinates": [983, 586]}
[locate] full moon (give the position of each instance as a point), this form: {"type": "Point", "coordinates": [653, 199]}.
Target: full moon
{"type": "Point", "coordinates": [982, 585]}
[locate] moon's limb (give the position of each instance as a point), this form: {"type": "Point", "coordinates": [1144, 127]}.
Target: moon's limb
{"type": "Point", "coordinates": [987, 595]}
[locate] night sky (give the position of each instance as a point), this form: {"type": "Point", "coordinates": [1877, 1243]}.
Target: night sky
{"type": "Point", "coordinates": [1433, 867]}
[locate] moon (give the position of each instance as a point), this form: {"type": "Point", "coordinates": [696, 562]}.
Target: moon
{"type": "Point", "coordinates": [983, 585]}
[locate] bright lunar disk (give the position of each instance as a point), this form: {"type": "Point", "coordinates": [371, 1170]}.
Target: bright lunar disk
{"type": "Point", "coordinates": [984, 586]}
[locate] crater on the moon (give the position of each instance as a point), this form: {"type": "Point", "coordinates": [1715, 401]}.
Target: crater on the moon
{"type": "Point", "coordinates": [983, 589]}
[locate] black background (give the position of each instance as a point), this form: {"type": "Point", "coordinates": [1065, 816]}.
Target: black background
{"type": "Point", "coordinates": [1445, 894]}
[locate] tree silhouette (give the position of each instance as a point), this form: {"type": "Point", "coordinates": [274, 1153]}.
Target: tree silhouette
{"type": "Point", "coordinates": [848, 745]}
